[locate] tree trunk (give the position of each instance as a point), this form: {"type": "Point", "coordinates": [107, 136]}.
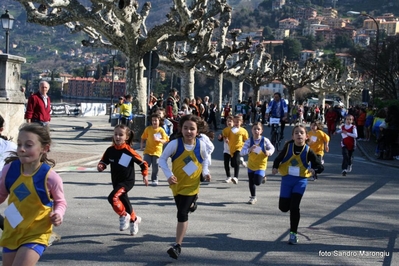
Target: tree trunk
{"type": "Point", "coordinates": [218, 91]}
{"type": "Point", "coordinates": [136, 84]}
{"type": "Point", "coordinates": [322, 98]}
{"type": "Point", "coordinates": [187, 83]}
{"type": "Point", "coordinates": [236, 93]}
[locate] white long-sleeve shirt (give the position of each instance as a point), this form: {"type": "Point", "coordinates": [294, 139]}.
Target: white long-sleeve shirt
{"type": "Point", "coordinates": [170, 150]}
{"type": "Point", "coordinates": [267, 145]}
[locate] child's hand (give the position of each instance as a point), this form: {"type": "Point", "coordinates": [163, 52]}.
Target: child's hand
{"type": "Point", "coordinates": [208, 178]}
{"type": "Point", "coordinates": [55, 219]}
{"type": "Point", "coordinates": [145, 180]}
{"type": "Point", "coordinates": [226, 140]}
{"type": "Point", "coordinates": [220, 137]}
{"type": "Point", "coordinates": [274, 171]}
{"type": "Point", "coordinates": [327, 148]}
{"type": "Point", "coordinates": [172, 180]}
{"type": "Point", "coordinates": [101, 167]}
{"type": "Point", "coordinates": [312, 171]}
{"type": "Point", "coordinates": [252, 148]}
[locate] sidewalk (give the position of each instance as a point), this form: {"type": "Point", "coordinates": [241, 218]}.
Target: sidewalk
{"type": "Point", "coordinates": [368, 150]}
{"type": "Point", "coordinates": [79, 139]}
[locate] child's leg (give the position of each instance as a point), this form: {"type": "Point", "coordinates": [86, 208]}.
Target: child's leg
{"type": "Point", "coordinates": [345, 158]}
{"type": "Point", "coordinates": [294, 211]}
{"type": "Point", "coordinates": [23, 256]}
{"type": "Point", "coordinates": [235, 163]}
{"type": "Point", "coordinates": [226, 160]}
{"type": "Point", "coordinates": [183, 204]}
{"type": "Point", "coordinates": [155, 168]}
{"type": "Point", "coordinates": [350, 157]}
{"type": "Point", "coordinates": [120, 202]}
{"type": "Point", "coordinates": [251, 183]}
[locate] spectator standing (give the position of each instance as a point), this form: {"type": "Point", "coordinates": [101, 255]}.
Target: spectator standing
{"type": "Point", "coordinates": [172, 108]}
{"type": "Point", "coordinates": [38, 108]}
{"type": "Point", "coordinates": [331, 119]}
{"type": "Point", "coordinates": [212, 115]}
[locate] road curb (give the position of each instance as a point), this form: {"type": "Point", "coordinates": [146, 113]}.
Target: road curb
{"type": "Point", "coordinates": [374, 160]}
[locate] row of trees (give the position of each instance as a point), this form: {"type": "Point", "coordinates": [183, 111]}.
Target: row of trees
{"type": "Point", "coordinates": [193, 38]}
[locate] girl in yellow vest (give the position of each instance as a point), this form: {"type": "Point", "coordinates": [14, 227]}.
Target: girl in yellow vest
{"type": "Point", "coordinates": [296, 163]}
{"type": "Point", "coordinates": [189, 159]}
{"type": "Point", "coordinates": [235, 136]}
{"type": "Point", "coordinates": [36, 199]}
{"type": "Point", "coordinates": [155, 137]}
{"type": "Point", "coordinates": [318, 141]}
{"type": "Point", "coordinates": [258, 149]}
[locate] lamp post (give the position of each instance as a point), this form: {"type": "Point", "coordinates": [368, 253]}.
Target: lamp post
{"type": "Point", "coordinates": [114, 52]}
{"type": "Point", "coordinates": [377, 40]}
{"type": "Point", "coordinates": [7, 21]}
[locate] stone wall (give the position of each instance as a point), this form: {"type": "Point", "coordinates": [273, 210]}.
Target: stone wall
{"type": "Point", "coordinates": [12, 99]}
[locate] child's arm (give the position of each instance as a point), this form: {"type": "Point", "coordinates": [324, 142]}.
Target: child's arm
{"type": "Point", "coordinates": [246, 149]}
{"type": "Point", "coordinates": [142, 144]}
{"type": "Point", "coordinates": [3, 190]}
{"type": "Point", "coordinates": [143, 164]}
{"type": "Point", "coordinates": [102, 164]}
{"type": "Point", "coordinates": [169, 150]}
{"type": "Point", "coordinates": [56, 190]}
{"type": "Point", "coordinates": [205, 163]}
{"type": "Point", "coordinates": [316, 165]}
{"type": "Point", "coordinates": [269, 147]}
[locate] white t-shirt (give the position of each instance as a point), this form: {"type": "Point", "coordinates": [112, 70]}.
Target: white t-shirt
{"type": "Point", "coordinates": [6, 147]}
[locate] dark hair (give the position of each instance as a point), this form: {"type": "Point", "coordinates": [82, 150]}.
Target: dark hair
{"type": "Point", "coordinates": [128, 131]}
{"type": "Point", "coordinates": [257, 124]}
{"type": "Point", "coordinates": [197, 120]}
{"type": "Point", "coordinates": [43, 134]}
{"type": "Point", "coordinates": [2, 125]}
{"type": "Point", "coordinates": [277, 93]}
{"type": "Point", "coordinates": [204, 129]}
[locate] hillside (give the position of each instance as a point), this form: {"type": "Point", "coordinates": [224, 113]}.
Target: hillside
{"type": "Point", "coordinates": [49, 47]}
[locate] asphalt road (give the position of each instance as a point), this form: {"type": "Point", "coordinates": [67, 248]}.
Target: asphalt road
{"type": "Point", "coordinates": [350, 220]}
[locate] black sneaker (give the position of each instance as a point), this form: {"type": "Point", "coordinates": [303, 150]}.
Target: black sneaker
{"type": "Point", "coordinates": [174, 252]}
{"type": "Point", "coordinates": [344, 172]}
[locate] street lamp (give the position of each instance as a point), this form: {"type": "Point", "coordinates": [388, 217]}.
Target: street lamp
{"type": "Point", "coordinates": [7, 21]}
{"type": "Point", "coordinates": [377, 39]}
{"type": "Point", "coordinates": [114, 52]}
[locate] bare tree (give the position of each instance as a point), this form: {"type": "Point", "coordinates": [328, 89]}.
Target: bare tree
{"type": "Point", "coordinates": [119, 24]}
{"type": "Point", "coordinates": [293, 76]}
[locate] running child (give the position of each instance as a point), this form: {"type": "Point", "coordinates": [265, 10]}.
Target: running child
{"type": "Point", "coordinates": [296, 163]}
{"type": "Point", "coordinates": [348, 133]}
{"type": "Point", "coordinates": [318, 142]}
{"type": "Point", "coordinates": [154, 137]}
{"type": "Point", "coordinates": [35, 194]}
{"type": "Point", "coordinates": [206, 136]}
{"type": "Point", "coordinates": [189, 160]}
{"type": "Point", "coordinates": [226, 150]}
{"type": "Point", "coordinates": [122, 157]}
{"type": "Point", "coordinates": [235, 137]}
{"type": "Point", "coordinates": [258, 149]}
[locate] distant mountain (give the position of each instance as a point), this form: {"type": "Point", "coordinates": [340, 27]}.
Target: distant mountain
{"type": "Point", "coordinates": [49, 48]}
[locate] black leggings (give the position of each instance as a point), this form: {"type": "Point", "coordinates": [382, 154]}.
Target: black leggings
{"type": "Point", "coordinates": [292, 205]}
{"type": "Point", "coordinates": [235, 163]}
{"type": "Point", "coordinates": [227, 160]}
{"type": "Point", "coordinates": [254, 180]}
{"type": "Point", "coordinates": [183, 204]}
{"type": "Point", "coordinates": [347, 158]}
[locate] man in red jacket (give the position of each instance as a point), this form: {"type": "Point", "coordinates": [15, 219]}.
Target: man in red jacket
{"type": "Point", "coordinates": [38, 108]}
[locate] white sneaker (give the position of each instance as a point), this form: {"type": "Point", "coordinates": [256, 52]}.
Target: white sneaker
{"type": "Point", "coordinates": [154, 183]}
{"type": "Point", "coordinates": [252, 200]}
{"type": "Point", "coordinates": [228, 180]}
{"type": "Point", "coordinates": [349, 168]}
{"type": "Point", "coordinates": [134, 226]}
{"type": "Point", "coordinates": [234, 180]}
{"type": "Point", "coordinates": [242, 162]}
{"type": "Point", "coordinates": [264, 180]}
{"type": "Point", "coordinates": [124, 222]}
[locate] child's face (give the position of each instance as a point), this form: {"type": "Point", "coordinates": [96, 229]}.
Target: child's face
{"type": "Point", "coordinates": [160, 113]}
{"type": "Point", "coordinates": [313, 126]}
{"type": "Point", "coordinates": [299, 136]}
{"type": "Point", "coordinates": [229, 123]}
{"type": "Point", "coordinates": [29, 148]}
{"type": "Point", "coordinates": [120, 136]}
{"type": "Point", "coordinates": [189, 131]}
{"type": "Point", "coordinates": [155, 122]}
{"type": "Point", "coordinates": [349, 120]}
{"type": "Point", "coordinates": [237, 122]}
{"type": "Point", "coordinates": [257, 131]}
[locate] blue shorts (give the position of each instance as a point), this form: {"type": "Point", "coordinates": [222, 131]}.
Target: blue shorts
{"type": "Point", "coordinates": [39, 248]}
{"type": "Point", "coordinates": [292, 184]}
